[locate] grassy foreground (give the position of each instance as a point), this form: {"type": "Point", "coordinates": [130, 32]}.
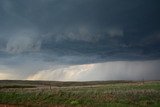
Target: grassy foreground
{"type": "Point", "coordinates": [81, 94]}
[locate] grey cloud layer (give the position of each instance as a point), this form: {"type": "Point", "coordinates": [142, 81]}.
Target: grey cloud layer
{"type": "Point", "coordinates": [104, 28]}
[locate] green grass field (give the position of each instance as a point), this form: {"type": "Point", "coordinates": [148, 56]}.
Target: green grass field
{"type": "Point", "coordinates": [81, 94]}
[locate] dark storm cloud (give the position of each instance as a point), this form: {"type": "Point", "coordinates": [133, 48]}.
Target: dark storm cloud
{"type": "Point", "coordinates": [37, 34]}
{"type": "Point", "coordinates": [108, 29]}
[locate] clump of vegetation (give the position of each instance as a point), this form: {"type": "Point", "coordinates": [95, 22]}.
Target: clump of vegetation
{"type": "Point", "coordinates": [74, 102]}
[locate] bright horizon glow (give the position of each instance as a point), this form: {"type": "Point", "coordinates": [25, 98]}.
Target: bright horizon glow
{"type": "Point", "coordinates": [117, 70]}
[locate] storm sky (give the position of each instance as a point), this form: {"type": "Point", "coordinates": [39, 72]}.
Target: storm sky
{"type": "Point", "coordinates": [80, 40]}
